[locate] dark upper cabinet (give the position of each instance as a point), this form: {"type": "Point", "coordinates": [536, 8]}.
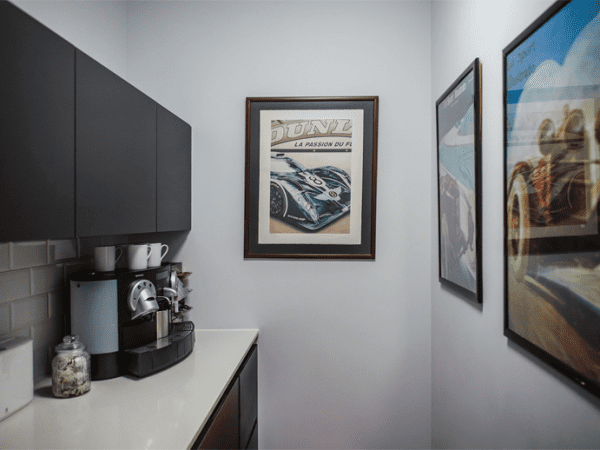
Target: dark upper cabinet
{"type": "Point", "coordinates": [115, 153]}
{"type": "Point", "coordinates": [37, 130]}
{"type": "Point", "coordinates": [82, 152]}
{"type": "Point", "coordinates": [174, 172]}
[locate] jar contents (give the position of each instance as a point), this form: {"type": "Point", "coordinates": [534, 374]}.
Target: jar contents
{"type": "Point", "coordinates": [71, 370]}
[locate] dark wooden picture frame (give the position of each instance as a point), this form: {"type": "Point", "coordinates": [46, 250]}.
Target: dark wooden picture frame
{"type": "Point", "coordinates": [458, 123]}
{"type": "Point", "coordinates": [551, 92]}
{"type": "Point", "coordinates": [317, 157]}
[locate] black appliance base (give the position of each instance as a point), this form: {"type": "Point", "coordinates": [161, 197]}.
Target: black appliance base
{"type": "Point", "coordinates": [160, 354]}
{"type": "Point", "coordinates": [105, 366]}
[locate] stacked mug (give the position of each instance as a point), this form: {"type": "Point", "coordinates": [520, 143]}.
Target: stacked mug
{"type": "Point", "coordinates": [157, 254]}
{"type": "Point", "coordinates": [143, 256]}
{"type": "Point", "coordinates": [106, 257]}
{"type": "Point", "coordinates": [139, 256]}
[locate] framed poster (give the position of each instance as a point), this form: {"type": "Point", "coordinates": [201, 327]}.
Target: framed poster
{"type": "Point", "coordinates": [551, 191]}
{"type": "Point", "coordinates": [458, 119]}
{"type": "Point", "coordinates": [311, 177]}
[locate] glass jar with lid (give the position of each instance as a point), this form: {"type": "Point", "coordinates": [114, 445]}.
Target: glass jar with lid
{"type": "Point", "coordinates": [71, 368]}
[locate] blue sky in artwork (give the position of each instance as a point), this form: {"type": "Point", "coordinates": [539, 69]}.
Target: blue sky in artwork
{"type": "Point", "coordinates": [551, 42]}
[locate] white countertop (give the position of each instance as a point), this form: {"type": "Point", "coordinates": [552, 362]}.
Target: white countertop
{"type": "Point", "coordinates": [164, 410]}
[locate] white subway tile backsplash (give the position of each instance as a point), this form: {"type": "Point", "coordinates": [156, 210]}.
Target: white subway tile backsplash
{"type": "Point", "coordinates": [4, 257]}
{"type": "Point", "coordinates": [46, 334]}
{"type": "Point", "coordinates": [28, 254]}
{"type": "Point", "coordinates": [23, 332]}
{"type": "Point", "coordinates": [58, 304]}
{"type": "Point", "coordinates": [47, 279]}
{"type": "Point", "coordinates": [61, 250]}
{"type": "Point", "coordinates": [41, 364]}
{"type": "Point", "coordinates": [45, 337]}
{"type": "Point", "coordinates": [29, 311]}
{"type": "Point", "coordinates": [14, 285]}
{"type": "Point", "coordinates": [4, 318]}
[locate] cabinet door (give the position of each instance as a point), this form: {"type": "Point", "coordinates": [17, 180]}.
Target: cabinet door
{"type": "Point", "coordinates": [248, 396]}
{"type": "Point", "coordinates": [37, 128]}
{"type": "Point", "coordinates": [223, 432]}
{"type": "Point", "coordinates": [115, 153]}
{"type": "Point", "coordinates": [174, 172]}
{"type": "Point", "coordinates": [253, 442]}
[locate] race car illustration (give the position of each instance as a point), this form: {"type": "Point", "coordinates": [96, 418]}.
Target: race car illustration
{"type": "Point", "coordinates": [308, 198]}
{"type": "Point", "coordinates": [552, 201]}
{"type": "Point", "coordinates": [457, 232]}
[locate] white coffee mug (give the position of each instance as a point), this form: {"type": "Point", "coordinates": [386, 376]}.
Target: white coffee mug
{"type": "Point", "coordinates": [104, 258]}
{"type": "Point", "coordinates": [137, 256]}
{"type": "Point", "coordinates": [157, 254]}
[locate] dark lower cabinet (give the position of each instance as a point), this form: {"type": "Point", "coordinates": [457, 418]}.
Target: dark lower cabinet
{"type": "Point", "coordinates": [253, 442]}
{"type": "Point", "coordinates": [223, 432]}
{"type": "Point", "coordinates": [37, 156]}
{"type": "Point", "coordinates": [234, 423]}
{"type": "Point", "coordinates": [115, 153]}
{"type": "Point", "coordinates": [248, 376]}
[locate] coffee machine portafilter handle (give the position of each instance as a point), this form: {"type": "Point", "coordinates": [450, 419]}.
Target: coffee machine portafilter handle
{"type": "Point", "coordinates": [168, 292]}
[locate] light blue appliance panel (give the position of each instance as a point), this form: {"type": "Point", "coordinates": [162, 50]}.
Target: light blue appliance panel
{"type": "Point", "coordinates": [94, 315]}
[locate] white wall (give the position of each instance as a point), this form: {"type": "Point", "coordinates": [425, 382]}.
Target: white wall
{"type": "Point", "coordinates": [345, 353]}
{"type": "Point", "coordinates": [488, 393]}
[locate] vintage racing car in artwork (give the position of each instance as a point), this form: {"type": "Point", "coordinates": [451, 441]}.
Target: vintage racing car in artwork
{"type": "Point", "coordinates": [552, 203]}
{"type": "Point", "coordinates": [457, 232]}
{"type": "Point", "coordinates": [308, 198]}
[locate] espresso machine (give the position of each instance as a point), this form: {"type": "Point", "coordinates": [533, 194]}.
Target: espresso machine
{"type": "Point", "coordinates": [120, 316]}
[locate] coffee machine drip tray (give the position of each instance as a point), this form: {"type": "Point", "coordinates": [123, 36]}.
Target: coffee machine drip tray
{"type": "Point", "coordinates": [160, 354]}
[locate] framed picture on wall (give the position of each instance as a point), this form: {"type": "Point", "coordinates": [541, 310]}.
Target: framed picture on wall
{"type": "Point", "coordinates": [311, 175]}
{"type": "Point", "coordinates": [552, 188]}
{"type": "Point", "coordinates": [458, 119]}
